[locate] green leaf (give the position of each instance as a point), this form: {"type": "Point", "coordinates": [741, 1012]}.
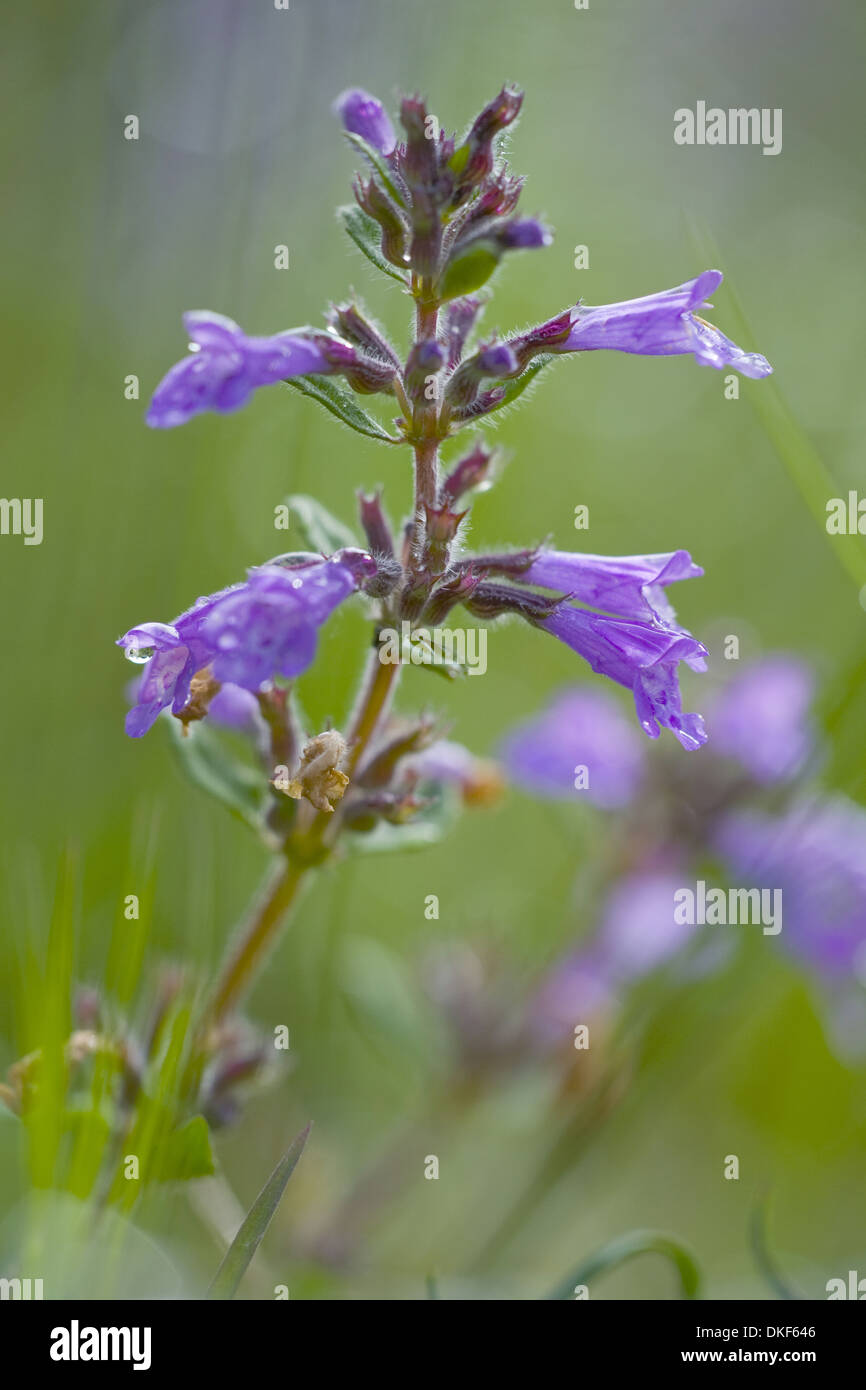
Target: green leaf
{"type": "Point", "coordinates": [255, 1223]}
{"type": "Point", "coordinates": [626, 1247]}
{"type": "Point", "coordinates": [211, 764]}
{"type": "Point", "coordinates": [185, 1153]}
{"type": "Point", "coordinates": [366, 234]}
{"type": "Point", "coordinates": [318, 528]}
{"type": "Point", "coordinates": [377, 159]}
{"type": "Point", "coordinates": [469, 269]}
{"type": "Point", "coordinates": [340, 403]}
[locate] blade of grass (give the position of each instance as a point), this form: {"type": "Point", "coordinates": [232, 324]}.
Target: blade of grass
{"type": "Point", "coordinates": [627, 1247]}
{"type": "Point", "coordinates": [763, 1259]}
{"type": "Point", "coordinates": [258, 1218]}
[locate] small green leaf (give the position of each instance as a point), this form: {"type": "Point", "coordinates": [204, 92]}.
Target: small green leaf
{"type": "Point", "coordinates": [211, 764]}
{"type": "Point", "coordinates": [185, 1153]}
{"type": "Point", "coordinates": [255, 1223]}
{"type": "Point", "coordinates": [318, 528]}
{"type": "Point", "coordinates": [366, 234]}
{"type": "Point", "coordinates": [341, 404]}
{"type": "Point", "coordinates": [626, 1247]}
{"type": "Point", "coordinates": [377, 159]}
{"type": "Point", "coordinates": [469, 269]}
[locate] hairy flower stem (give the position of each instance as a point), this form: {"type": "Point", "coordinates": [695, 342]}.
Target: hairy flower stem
{"type": "Point", "coordinates": [426, 437]}
{"type": "Point", "coordinates": [305, 847]}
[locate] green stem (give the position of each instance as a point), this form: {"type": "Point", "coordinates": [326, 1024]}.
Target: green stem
{"type": "Point", "coordinates": [304, 849]}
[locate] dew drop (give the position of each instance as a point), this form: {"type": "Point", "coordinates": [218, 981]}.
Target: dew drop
{"type": "Point", "coordinates": [138, 655]}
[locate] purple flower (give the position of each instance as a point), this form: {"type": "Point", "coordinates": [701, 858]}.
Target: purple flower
{"type": "Point", "coordinates": [225, 367]}
{"type": "Point", "coordinates": [661, 325]}
{"type": "Point", "coordinates": [760, 718]}
{"type": "Point", "coordinates": [173, 653]}
{"type": "Point", "coordinates": [478, 779]}
{"type": "Point", "coordinates": [361, 114]}
{"type": "Point", "coordinates": [581, 728]}
{"type": "Point", "coordinates": [640, 656]}
{"type": "Point", "coordinates": [269, 625]}
{"type": "Point", "coordinates": [235, 708]}
{"type": "Point", "coordinates": [577, 990]}
{"type": "Point", "coordinates": [816, 854]}
{"type": "Point", "coordinates": [639, 931]}
{"type": "Point", "coordinates": [524, 234]}
{"type": "Point", "coordinates": [628, 585]}
{"type": "Point", "coordinates": [246, 634]}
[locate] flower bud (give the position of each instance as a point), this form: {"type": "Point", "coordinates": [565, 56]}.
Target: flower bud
{"type": "Point", "coordinates": [497, 360]}
{"type": "Point", "coordinates": [470, 473]}
{"type": "Point", "coordinates": [361, 114]}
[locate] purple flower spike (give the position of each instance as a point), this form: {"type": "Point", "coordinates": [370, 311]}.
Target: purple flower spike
{"type": "Point", "coordinates": [361, 114]}
{"type": "Point", "coordinates": [628, 585]}
{"type": "Point", "coordinates": [582, 728]}
{"type": "Point", "coordinates": [641, 657]}
{"type": "Point", "coordinates": [225, 367]}
{"type": "Point", "coordinates": [661, 325]}
{"type": "Point", "coordinates": [246, 634]}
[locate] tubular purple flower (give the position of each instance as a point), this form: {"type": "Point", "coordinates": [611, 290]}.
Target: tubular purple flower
{"type": "Point", "coordinates": [247, 634]}
{"type": "Point", "coordinates": [662, 325]}
{"type": "Point", "coordinates": [225, 367]}
{"type": "Point", "coordinates": [269, 625]}
{"type": "Point", "coordinates": [640, 656]}
{"type": "Point", "coordinates": [361, 114]}
{"type": "Point", "coordinates": [581, 728]}
{"type": "Point", "coordinates": [628, 585]}
{"type": "Point", "coordinates": [173, 652]}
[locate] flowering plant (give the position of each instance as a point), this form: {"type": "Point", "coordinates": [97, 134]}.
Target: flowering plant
{"type": "Point", "coordinates": [437, 215]}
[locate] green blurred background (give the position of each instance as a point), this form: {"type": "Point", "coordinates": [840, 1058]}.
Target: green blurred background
{"type": "Point", "coordinates": [106, 242]}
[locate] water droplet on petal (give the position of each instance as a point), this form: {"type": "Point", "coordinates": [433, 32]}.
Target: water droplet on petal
{"type": "Point", "coordinates": [138, 655]}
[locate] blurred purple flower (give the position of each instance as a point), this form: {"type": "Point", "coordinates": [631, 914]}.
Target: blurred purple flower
{"type": "Point", "coordinates": [661, 325]}
{"type": "Point", "coordinates": [361, 114]}
{"type": "Point", "coordinates": [246, 634]}
{"type": "Point", "coordinates": [575, 991]}
{"type": "Point", "coordinates": [581, 728]}
{"type": "Point", "coordinates": [637, 934]}
{"type": "Point", "coordinates": [638, 930]}
{"type": "Point", "coordinates": [235, 708]}
{"type": "Point", "coordinates": [816, 854]}
{"type": "Point", "coordinates": [761, 718]}
{"type": "Point", "coordinates": [643, 658]}
{"type": "Point", "coordinates": [225, 367]}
